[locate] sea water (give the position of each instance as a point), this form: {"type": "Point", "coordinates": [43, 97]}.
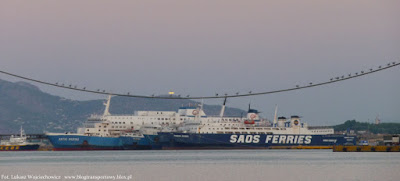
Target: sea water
{"type": "Point", "coordinates": [201, 165]}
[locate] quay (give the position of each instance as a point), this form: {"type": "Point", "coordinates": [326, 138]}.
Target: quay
{"type": "Point", "coordinates": [341, 148]}
{"type": "Point", "coordinates": [300, 147]}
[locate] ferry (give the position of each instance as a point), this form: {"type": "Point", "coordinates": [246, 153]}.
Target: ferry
{"type": "Point", "coordinates": [191, 128]}
{"type": "Point", "coordinates": [250, 132]}
{"type": "Point", "coordinates": [18, 143]}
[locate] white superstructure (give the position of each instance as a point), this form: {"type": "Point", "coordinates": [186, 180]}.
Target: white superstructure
{"type": "Point", "coordinates": [252, 124]}
{"type": "Point", "coordinates": [115, 125]}
{"type": "Point", "coordinates": [193, 120]}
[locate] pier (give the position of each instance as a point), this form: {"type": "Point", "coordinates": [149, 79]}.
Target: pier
{"type": "Point", "coordinates": [341, 148]}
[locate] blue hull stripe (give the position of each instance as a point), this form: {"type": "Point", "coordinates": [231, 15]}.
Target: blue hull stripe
{"type": "Point", "coordinates": [177, 140]}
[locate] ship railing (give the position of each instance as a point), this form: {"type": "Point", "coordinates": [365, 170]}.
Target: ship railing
{"type": "Point", "coordinates": [127, 115]}
{"type": "Point", "coordinates": [320, 127]}
{"type": "Point", "coordinates": [253, 128]}
{"type": "Point", "coordinates": [95, 116]}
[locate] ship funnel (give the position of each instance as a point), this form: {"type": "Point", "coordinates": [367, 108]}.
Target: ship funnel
{"type": "Point", "coordinates": [252, 114]}
{"type": "Point", "coordinates": [295, 121]}
{"type": "Point", "coordinates": [281, 122]}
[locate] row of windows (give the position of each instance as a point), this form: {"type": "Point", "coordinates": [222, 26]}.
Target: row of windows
{"type": "Point", "coordinates": [119, 127]}
{"type": "Point", "coordinates": [321, 131]}
{"type": "Point", "coordinates": [229, 132]}
{"type": "Point", "coordinates": [235, 128]}
{"type": "Point", "coordinates": [119, 122]}
{"type": "Point", "coordinates": [162, 123]}
{"type": "Point", "coordinates": [147, 118]}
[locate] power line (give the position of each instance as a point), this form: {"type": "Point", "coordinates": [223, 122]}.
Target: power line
{"type": "Point", "coordinates": [217, 96]}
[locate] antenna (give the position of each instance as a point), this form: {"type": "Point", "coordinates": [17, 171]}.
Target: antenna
{"type": "Point", "coordinates": [202, 104]}
{"type": "Point", "coordinates": [249, 106]}
{"type": "Point", "coordinates": [221, 114]}
{"type": "Point", "coordinates": [275, 118]}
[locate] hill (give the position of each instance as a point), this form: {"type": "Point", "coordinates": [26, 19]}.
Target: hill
{"type": "Point", "coordinates": [383, 128]}
{"type": "Point", "coordinates": [24, 104]}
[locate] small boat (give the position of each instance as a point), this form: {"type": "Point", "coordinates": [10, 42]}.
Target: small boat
{"type": "Point", "coordinates": [18, 143]}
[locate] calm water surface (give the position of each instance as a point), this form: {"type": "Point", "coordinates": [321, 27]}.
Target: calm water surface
{"type": "Point", "coordinates": [199, 165]}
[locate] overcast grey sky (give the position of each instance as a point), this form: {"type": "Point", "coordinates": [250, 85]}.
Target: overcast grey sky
{"type": "Point", "coordinates": [207, 47]}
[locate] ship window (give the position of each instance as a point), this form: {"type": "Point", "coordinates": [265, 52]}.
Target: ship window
{"type": "Point", "coordinates": [124, 122]}
{"type": "Point", "coordinates": [104, 126]}
{"type": "Point", "coordinates": [173, 119]}
{"type": "Point", "coordinates": [112, 126]}
{"type": "Point", "coordinates": [131, 122]}
{"type": "Point", "coordinates": [158, 119]}
{"type": "Point", "coordinates": [162, 118]}
{"type": "Point", "coordinates": [99, 130]}
{"type": "Point", "coordinates": [87, 129]}
{"type": "Point", "coordinates": [104, 130]}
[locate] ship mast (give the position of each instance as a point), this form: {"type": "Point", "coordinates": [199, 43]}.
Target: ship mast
{"type": "Point", "coordinates": [275, 119]}
{"type": "Point", "coordinates": [221, 114]}
{"type": "Point", "coordinates": [107, 109]}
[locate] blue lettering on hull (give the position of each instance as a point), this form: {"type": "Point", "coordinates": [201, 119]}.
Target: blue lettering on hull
{"type": "Point", "coordinates": [81, 142]}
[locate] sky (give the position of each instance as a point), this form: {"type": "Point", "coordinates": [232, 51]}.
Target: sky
{"type": "Point", "coordinates": [206, 47]}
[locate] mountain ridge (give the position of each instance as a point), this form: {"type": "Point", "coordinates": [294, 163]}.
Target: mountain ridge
{"type": "Point", "coordinates": [24, 104]}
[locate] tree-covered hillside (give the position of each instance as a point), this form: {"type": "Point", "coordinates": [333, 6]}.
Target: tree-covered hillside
{"type": "Point", "coordinates": [23, 104]}
{"type": "Point", "coordinates": [383, 128]}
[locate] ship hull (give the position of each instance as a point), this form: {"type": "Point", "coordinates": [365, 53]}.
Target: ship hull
{"type": "Point", "coordinates": [137, 143]}
{"type": "Point", "coordinates": [246, 141]}
{"type": "Point", "coordinates": [66, 142]}
{"type": "Point", "coordinates": [32, 147]}
{"type": "Point", "coordinates": [81, 142]}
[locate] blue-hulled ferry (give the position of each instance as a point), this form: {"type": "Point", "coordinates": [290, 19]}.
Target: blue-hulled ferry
{"type": "Point", "coordinates": [248, 133]}
{"type": "Point", "coordinates": [100, 133]}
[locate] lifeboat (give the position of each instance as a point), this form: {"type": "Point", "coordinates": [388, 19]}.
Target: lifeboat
{"type": "Point", "coordinates": [249, 122]}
